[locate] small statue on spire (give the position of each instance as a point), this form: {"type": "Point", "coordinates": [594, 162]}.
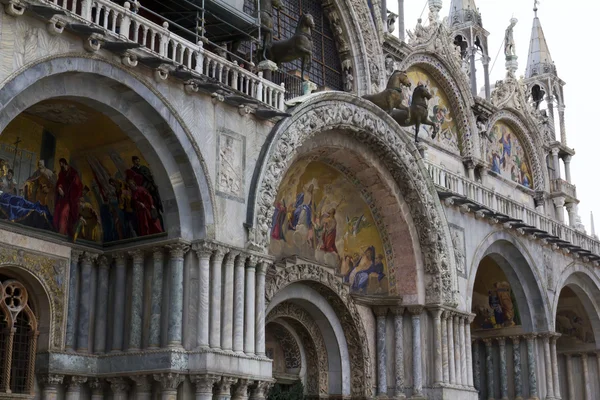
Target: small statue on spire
{"type": "Point", "coordinates": [509, 40]}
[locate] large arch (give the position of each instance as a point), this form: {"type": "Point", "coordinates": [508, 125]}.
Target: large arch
{"type": "Point", "coordinates": [141, 112]}
{"type": "Point", "coordinates": [520, 270]}
{"type": "Point", "coordinates": [325, 114]}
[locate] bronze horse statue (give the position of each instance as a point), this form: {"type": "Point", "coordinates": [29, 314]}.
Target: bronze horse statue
{"type": "Point", "coordinates": [418, 113]}
{"type": "Point", "coordinates": [391, 97]}
{"type": "Point", "coordinates": [298, 46]}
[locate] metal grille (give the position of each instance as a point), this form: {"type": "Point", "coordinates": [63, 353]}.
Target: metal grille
{"type": "Point", "coordinates": [326, 71]}
{"type": "Point", "coordinates": [20, 356]}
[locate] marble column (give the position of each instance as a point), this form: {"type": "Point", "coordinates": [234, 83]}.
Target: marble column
{"type": "Point", "coordinates": [50, 384]}
{"type": "Point", "coordinates": [169, 382]}
{"type": "Point", "coordinates": [227, 317]}
{"type": "Point", "coordinates": [451, 364]}
{"type": "Point", "coordinates": [238, 305]}
{"type": "Point", "coordinates": [556, 163]}
{"type": "Point", "coordinates": [400, 22]}
{"type": "Point", "coordinates": [554, 358]}
{"type": "Point", "coordinates": [73, 300]}
{"type": "Point", "coordinates": [587, 389]}
{"type": "Point", "coordinates": [203, 252]}
{"type": "Point", "coordinates": [561, 124]}
{"type": "Point", "coordinates": [437, 346]}
{"type": "Point", "coordinates": [240, 390]}
{"type": "Point", "coordinates": [457, 350]}
{"type": "Point", "coordinates": [204, 386]}
{"type": "Point", "coordinates": [381, 313]}
{"type": "Point", "coordinates": [531, 367]}
{"type": "Point", "coordinates": [143, 387]}
{"type": "Point", "coordinates": [416, 351]}
{"type": "Point", "coordinates": [215, 297]}
{"type": "Point", "coordinates": [503, 370]}
{"type": "Point", "coordinates": [516, 341]}
{"type": "Point", "coordinates": [476, 365]}
{"type": "Point", "coordinates": [85, 302]}
{"type": "Point", "coordinates": [489, 368]}
{"type": "Point", "coordinates": [463, 350]}
{"type": "Point", "coordinates": [119, 387]}
{"type": "Point", "coordinates": [548, 366]}
{"type": "Point", "coordinates": [101, 306]}
{"type": "Point", "coordinates": [446, 375]}
{"type": "Point", "coordinates": [137, 297]}
{"type": "Point", "coordinates": [249, 328]}
{"type": "Point", "coordinates": [468, 350]}
{"type": "Point", "coordinates": [156, 298]}
{"type": "Point", "coordinates": [399, 352]}
{"type": "Point", "coordinates": [224, 388]}
{"type": "Point", "coordinates": [119, 302]}
{"type": "Point", "coordinates": [567, 162]}
{"type": "Point", "coordinates": [260, 309]}
{"type": "Point", "coordinates": [175, 331]}
{"type": "Point", "coordinates": [97, 388]}
{"type": "Point", "coordinates": [570, 384]}
{"type": "Point", "coordinates": [74, 387]}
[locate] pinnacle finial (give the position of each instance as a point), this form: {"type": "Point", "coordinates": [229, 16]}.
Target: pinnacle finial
{"type": "Point", "coordinates": [535, 8]}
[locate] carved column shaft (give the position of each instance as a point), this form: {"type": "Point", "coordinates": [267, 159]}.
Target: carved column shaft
{"type": "Point", "coordinates": [399, 352]}
{"type": "Point", "coordinates": [381, 312]}
{"type": "Point", "coordinates": [554, 366]}
{"type": "Point", "coordinates": [137, 295]}
{"type": "Point", "coordinates": [101, 306]}
{"type": "Point", "coordinates": [417, 361]}
{"type": "Point", "coordinates": [204, 386]}
{"type": "Point", "coordinates": [203, 254]}
{"type": "Point", "coordinates": [548, 367]}
{"type": "Point", "coordinates": [517, 367]}
{"type": "Point", "coordinates": [175, 331]}
{"type": "Point", "coordinates": [400, 21]}
{"type": "Point", "coordinates": [119, 302]}
{"type": "Point", "coordinates": [587, 389]}
{"type": "Point", "coordinates": [238, 305]}
{"type": "Point", "coordinates": [437, 346]}
{"type": "Point", "coordinates": [473, 72]}
{"type": "Point", "coordinates": [50, 384]}
{"type": "Point", "coordinates": [260, 309]}
{"type": "Point", "coordinates": [531, 367]}
{"type": "Point", "coordinates": [451, 359]}
{"type": "Point", "coordinates": [215, 298]}
{"type": "Point", "coordinates": [561, 122]}
{"type": "Point", "coordinates": [444, 328]}
{"type": "Point", "coordinates": [74, 387]}
{"type": "Point", "coordinates": [570, 384]}
{"type": "Point", "coordinates": [468, 352]}
{"type": "Point", "coordinates": [476, 365]}
{"type": "Point", "coordinates": [156, 299]}
{"type": "Point", "coordinates": [503, 370]}
{"type": "Point", "coordinates": [463, 351]}
{"type": "Point", "coordinates": [249, 329]}
{"type": "Point", "coordinates": [73, 300]}
{"type": "Point", "coordinates": [457, 350]}
{"type": "Point", "coordinates": [85, 303]}
{"type": "Point", "coordinates": [489, 368]}
{"type": "Point", "coordinates": [227, 317]}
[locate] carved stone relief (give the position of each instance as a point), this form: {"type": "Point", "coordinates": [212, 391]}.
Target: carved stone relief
{"type": "Point", "coordinates": [549, 271]}
{"type": "Point", "coordinates": [231, 150]}
{"type": "Point", "coordinates": [458, 241]}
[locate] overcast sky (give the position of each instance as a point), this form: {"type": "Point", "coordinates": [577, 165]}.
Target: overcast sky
{"type": "Point", "coordinates": [571, 29]}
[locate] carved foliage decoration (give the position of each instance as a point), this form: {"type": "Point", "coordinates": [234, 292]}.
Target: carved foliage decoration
{"type": "Point", "coordinates": [338, 296]}
{"type": "Point", "coordinates": [52, 275]}
{"type": "Point", "coordinates": [291, 351]}
{"type": "Point", "coordinates": [374, 129]}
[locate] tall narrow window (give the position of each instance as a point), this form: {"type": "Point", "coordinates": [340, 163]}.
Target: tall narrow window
{"type": "Point", "coordinates": [18, 338]}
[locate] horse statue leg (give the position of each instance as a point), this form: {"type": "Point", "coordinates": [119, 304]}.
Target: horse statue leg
{"type": "Point", "coordinates": [426, 121]}
{"type": "Point", "coordinates": [417, 128]}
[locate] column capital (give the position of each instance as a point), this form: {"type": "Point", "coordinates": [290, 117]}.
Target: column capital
{"type": "Point", "coordinates": [225, 384]}
{"type": "Point", "coordinates": [143, 383]}
{"type": "Point", "coordinates": [203, 249]}
{"type": "Point", "coordinates": [415, 310]}
{"type": "Point", "coordinates": [89, 257]}
{"type": "Point", "coordinates": [177, 250]}
{"type": "Point", "coordinates": [567, 159]}
{"type": "Point", "coordinates": [436, 312]}
{"type": "Point", "coordinates": [261, 267]}
{"type": "Point", "coordinates": [75, 383]}
{"type": "Point", "coordinates": [76, 254]}
{"type": "Point", "coordinates": [260, 389]}
{"type": "Point", "coordinates": [530, 336]}
{"type": "Point", "coordinates": [118, 385]}
{"type": "Point", "coordinates": [240, 389]}
{"type": "Point", "coordinates": [583, 356]}
{"type": "Point", "coordinates": [169, 380]}
{"type": "Point", "coordinates": [515, 340]}
{"type": "Point", "coordinates": [554, 337]}
{"type": "Point", "coordinates": [487, 341]}
{"type": "Point", "coordinates": [447, 314]}
{"type": "Point", "coordinates": [120, 257]}
{"type": "Point", "coordinates": [158, 252]}
{"type": "Point", "coordinates": [380, 311]}
{"type": "Point", "coordinates": [204, 383]}
{"type": "Point", "coordinates": [555, 151]}
{"type": "Point", "coordinates": [137, 255]}
{"type": "Point", "coordinates": [240, 261]}
{"type": "Point", "coordinates": [231, 256]}
{"type": "Point", "coordinates": [397, 310]}
{"type": "Point", "coordinates": [96, 384]}
{"type": "Point", "coordinates": [51, 379]}
{"type": "Point", "coordinates": [103, 262]}
{"type": "Point", "coordinates": [559, 201]}
{"type": "Point", "coordinates": [219, 251]}
{"type": "Point", "coordinates": [252, 261]}
{"type": "Point", "coordinates": [501, 341]}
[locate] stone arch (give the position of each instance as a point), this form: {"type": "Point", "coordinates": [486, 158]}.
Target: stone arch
{"type": "Point", "coordinates": [302, 324]}
{"type": "Point", "coordinates": [586, 286]}
{"type": "Point", "coordinates": [533, 149]}
{"type": "Point", "coordinates": [151, 122]}
{"type": "Point", "coordinates": [341, 313]}
{"type": "Point", "coordinates": [522, 273]}
{"type": "Point", "coordinates": [293, 332]}
{"type": "Point", "coordinates": [456, 88]}
{"type": "Point", "coordinates": [323, 113]}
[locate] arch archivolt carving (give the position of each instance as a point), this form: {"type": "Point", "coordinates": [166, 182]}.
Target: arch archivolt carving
{"type": "Point", "coordinates": [457, 89]}
{"type": "Point", "coordinates": [375, 129]}
{"type": "Point", "coordinates": [338, 296]}
{"type": "Point", "coordinates": [317, 379]}
{"type": "Point", "coordinates": [51, 273]}
{"type": "Point", "coordinates": [532, 146]}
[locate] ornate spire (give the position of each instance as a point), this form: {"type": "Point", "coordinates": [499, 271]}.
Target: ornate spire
{"type": "Point", "coordinates": [464, 11]}
{"type": "Point", "coordinates": [539, 60]}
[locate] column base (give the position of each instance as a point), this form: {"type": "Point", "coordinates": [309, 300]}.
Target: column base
{"type": "Point", "coordinates": [452, 393]}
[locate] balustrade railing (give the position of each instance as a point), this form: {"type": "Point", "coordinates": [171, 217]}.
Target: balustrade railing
{"type": "Point", "coordinates": [125, 23]}
{"type": "Point", "coordinates": [562, 186]}
{"type": "Point", "coordinates": [487, 197]}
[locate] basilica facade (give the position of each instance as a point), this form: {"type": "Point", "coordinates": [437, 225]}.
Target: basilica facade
{"type": "Point", "coordinates": [178, 220]}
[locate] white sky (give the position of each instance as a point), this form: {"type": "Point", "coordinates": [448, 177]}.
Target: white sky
{"type": "Point", "coordinates": [571, 29]}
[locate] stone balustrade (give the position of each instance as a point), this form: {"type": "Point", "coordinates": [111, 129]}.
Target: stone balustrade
{"type": "Point", "coordinates": [476, 192]}
{"type": "Point", "coordinates": [123, 23]}
{"type": "Point", "coordinates": [140, 387]}
{"type": "Point", "coordinates": [563, 187]}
